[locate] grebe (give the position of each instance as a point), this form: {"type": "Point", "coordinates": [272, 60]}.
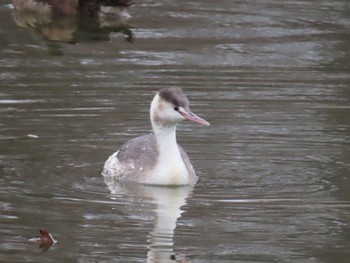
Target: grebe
{"type": "Point", "coordinates": [157, 159]}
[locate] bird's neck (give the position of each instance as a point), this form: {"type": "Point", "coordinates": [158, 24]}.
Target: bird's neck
{"type": "Point", "coordinates": [166, 139]}
{"type": "Point", "coordinates": [171, 169]}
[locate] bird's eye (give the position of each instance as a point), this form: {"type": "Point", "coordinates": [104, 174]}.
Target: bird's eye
{"type": "Point", "coordinates": [176, 108]}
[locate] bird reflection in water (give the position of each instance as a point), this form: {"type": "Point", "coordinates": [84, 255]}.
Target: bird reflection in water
{"type": "Point", "coordinates": [167, 202]}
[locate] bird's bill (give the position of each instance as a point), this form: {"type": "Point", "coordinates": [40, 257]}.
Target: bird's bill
{"type": "Point", "coordinates": [190, 116]}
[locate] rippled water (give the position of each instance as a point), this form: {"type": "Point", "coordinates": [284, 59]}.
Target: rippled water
{"type": "Point", "coordinates": [272, 78]}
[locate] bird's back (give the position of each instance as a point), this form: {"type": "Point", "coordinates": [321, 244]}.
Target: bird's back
{"type": "Point", "coordinates": [136, 160]}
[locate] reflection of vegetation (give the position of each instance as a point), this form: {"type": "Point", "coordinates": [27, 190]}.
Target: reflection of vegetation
{"type": "Point", "coordinates": [73, 20]}
{"type": "Point", "coordinates": [99, 29]}
{"type": "Point", "coordinates": [31, 13]}
{"type": "Point", "coordinates": [55, 48]}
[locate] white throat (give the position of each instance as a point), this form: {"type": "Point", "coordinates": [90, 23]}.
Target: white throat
{"type": "Point", "coordinates": [170, 169]}
{"type": "Point", "coordinates": [167, 145]}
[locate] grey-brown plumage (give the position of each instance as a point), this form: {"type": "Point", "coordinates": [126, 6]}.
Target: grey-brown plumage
{"type": "Point", "coordinates": [141, 155]}
{"type": "Point", "coordinates": [174, 96]}
{"type": "Point", "coordinates": [157, 158]}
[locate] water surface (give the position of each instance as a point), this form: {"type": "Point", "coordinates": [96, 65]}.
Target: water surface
{"type": "Point", "coordinates": [271, 77]}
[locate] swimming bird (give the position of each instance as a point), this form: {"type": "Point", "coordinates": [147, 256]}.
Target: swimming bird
{"type": "Point", "coordinates": [157, 159]}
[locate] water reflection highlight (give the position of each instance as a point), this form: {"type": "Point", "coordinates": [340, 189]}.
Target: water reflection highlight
{"type": "Point", "coordinates": [166, 207]}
